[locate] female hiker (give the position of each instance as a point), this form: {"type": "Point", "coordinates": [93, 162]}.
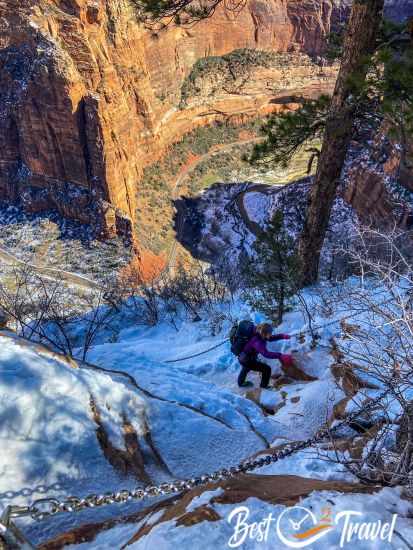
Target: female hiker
{"type": "Point", "coordinates": [257, 345]}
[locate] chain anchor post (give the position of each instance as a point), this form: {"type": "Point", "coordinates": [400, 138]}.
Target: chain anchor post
{"type": "Point", "coordinates": [11, 538]}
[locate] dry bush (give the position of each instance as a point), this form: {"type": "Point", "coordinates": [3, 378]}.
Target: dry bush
{"type": "Point", "coordinates": [197, 289]}
{"type": "Point", "coordinates": [50, 311]}
{"type": "Point", "coordinates": [192, 290]}
{"type": "Point", "coordinates": [378, 343]}
{"type": "Point", "coordinates": [137, 292]}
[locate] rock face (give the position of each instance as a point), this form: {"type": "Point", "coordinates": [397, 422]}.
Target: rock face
{"type": "Point", "coordinates": [88, 96]}
{"type": "Point", "coordinates": [364, 182]}
{"type": "Point", "coordinates": [378, 181]}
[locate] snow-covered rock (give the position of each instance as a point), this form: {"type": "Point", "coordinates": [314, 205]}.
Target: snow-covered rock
{"type": "Point", "coordinates": [75, 429]}
{"type": "Point", "coordinates": [48, 427]}
{"type": "Point", "coordinates": [248, 513]}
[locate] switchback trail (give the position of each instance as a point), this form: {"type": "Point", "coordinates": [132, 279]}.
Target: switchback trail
{"type": "Point", "coordinates": [51, 272]}
{"type": "Point", "coordinates": [84, 282]}
{"type": "Point", "coordinates": [180, 218]}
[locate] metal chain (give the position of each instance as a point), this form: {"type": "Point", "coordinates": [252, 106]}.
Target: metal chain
{"type": "Point", "coordinates": [45, 507]}
{"type": "Point", "coordinates": [293, 334]}
{"type": "Point", "coordinates": [198, 354]}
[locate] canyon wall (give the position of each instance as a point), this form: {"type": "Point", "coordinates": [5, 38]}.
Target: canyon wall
{"type": "Point", "coordinates": [88, 96]}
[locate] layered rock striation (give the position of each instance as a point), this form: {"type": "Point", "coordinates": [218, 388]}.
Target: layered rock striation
{"type": "Point", "coordinates": [88, 96]}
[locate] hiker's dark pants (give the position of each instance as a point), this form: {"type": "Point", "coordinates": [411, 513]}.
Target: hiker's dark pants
{"type": "Point", "coordinates": [256, 366]}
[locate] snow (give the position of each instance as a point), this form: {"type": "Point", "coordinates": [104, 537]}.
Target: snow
{"type": "Point", "coordinates": [228, 214]}
{"type": "Point", "coordinates": [46, 425]}
{"type": "Point", "coordinates": [205, 498]}
{"type": "Point", "coordinates": [310, 463]}
{"type": "Point", "coordinates": [190, 418]}
{"type": "Point", "coordinates": [314, 408]}
{"type": "Point", "coordinates": [48, 240]}
{"type": "Point", "coordinates": [270, 399]}
{"type": "Point", "coordinates": [166, 535]}
{"type": "Point", "coordinates": [197, 418]}
{"type": "Point", "coordinates": [257, 206]}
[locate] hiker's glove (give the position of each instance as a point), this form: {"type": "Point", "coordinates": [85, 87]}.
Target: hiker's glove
{"type": "Point", "coordinates": [286, 336]}
{"type": "Point", "coordinates": [287, 360]}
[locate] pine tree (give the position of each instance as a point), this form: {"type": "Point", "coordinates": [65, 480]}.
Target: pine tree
{"type": "Point", "coordinates": [359, 46]}
{"type": "Point", "coordinates": [159, 13]}
{"type": "Point", "coordinates": [363, 94]}
{"type": "Point", "coordinates": [289, 132]}
{"type": "Point", "coordinates": [271, 275]}
{"type": "Point", "coordinates": [395, 86]}
{"type": "Point", "coordinates": [385, 95]}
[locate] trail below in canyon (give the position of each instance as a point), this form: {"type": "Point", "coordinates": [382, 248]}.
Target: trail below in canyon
{"type": "Point", "coordinates": [180, 180]}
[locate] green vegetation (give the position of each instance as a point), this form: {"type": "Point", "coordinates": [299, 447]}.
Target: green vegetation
{"type": "Point", "coordinates": [155, 211]}
{"type": "Point", "coordinates": [221, 167]}
{"type": "Point", "coordinates": [229, 71]}
{"type": "Point", "coordinates": [288, 133]}
{"type": "Point", "coordinates": [385, 95]}
{"type": "Point", "coordinates": [272, 275]}
{"type": "Point", "coordinates": [155, 190]}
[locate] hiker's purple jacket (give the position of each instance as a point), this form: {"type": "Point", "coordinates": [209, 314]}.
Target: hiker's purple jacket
{"type": "Point", "coordinates": [258, 346]}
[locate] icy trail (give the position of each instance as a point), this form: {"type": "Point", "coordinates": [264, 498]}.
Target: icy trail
{"type": "Point", "coordinates": [189, 418]}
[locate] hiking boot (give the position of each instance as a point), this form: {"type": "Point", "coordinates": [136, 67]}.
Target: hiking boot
{"type": "Point", "coordinates": [246, 385]}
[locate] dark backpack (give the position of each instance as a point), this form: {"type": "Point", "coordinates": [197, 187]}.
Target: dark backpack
{"type": "Point", "coordinates": [241, 333]}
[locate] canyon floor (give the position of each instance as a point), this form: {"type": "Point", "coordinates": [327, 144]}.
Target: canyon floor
{"type": "Point", "coordinates": [204, 158]}
{"type": "Point", "coordinates": [149, 407]}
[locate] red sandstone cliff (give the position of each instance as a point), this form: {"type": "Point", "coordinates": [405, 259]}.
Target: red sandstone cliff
{"type": "Point", "coordinates": [88, 97]}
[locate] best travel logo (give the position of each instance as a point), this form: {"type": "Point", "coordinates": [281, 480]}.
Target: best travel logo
{"type": "Point", "coordinates": [298, 527]}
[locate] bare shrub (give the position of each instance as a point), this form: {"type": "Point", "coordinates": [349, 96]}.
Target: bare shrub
{"type": "Point", "coordinates": [377, 344]}
{"type": "Point", "coordinates": [193, 291]}
{"type": "Point", "coordinates": [199, 290]}
{"type": "Point", "coordinates": [139, 295]}
{"type": "Point", "coordinates": [50, 311]}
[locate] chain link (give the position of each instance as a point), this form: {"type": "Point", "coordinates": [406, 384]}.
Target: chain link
{"type": "Point", "coordinates": [299, 333]}
{"type": "Point", "coordinates": [45, 507]}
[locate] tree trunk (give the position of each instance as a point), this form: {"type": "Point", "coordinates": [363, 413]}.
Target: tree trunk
{"type": "Point", "coordinates": [359, 46]}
